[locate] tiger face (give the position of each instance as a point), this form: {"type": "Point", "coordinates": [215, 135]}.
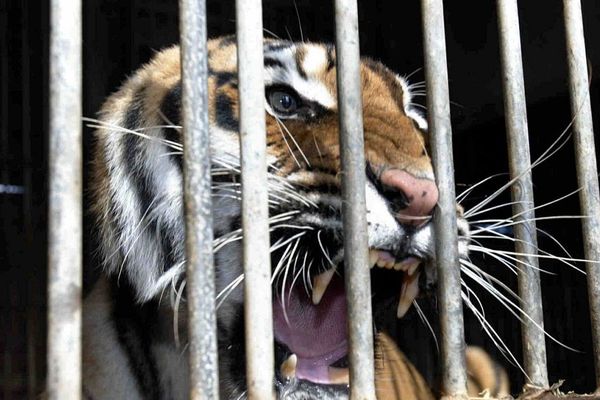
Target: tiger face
{"type": "Point", "coordinates": [137, 201]}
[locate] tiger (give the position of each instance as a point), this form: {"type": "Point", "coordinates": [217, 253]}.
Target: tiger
{"type": "Point", "coordinates": [134, 322]}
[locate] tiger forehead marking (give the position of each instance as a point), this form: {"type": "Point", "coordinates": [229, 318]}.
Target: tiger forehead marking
{"type": "Point", "coordinates": [393, 137]}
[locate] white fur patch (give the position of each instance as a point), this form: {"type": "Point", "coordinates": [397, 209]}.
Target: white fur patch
{"type": "Point", "coordinates": [315, 59]}
{"type": "Point", "coordinates": [409, 109]}
{"type": "Point", "coordinates": [384, 230]}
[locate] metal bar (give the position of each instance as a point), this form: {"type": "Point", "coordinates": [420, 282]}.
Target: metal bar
{"type": "Point", "coordinates": [534, 345]}
{"type": "Point", "coordinates": [587, 170]}
{"type": "Point", "coordinates": [64, 213]}
{"type": "Point", "coordinates": [454, 376]}
{"type": "Point", "coordinates": [257, 262]}
{"type": "Point", "coordinates": [356, 253]}
{"type": "Point", "coordinates": [200, 275]}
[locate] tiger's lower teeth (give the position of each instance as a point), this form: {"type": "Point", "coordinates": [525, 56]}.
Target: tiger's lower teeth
{"type": "Point", "coordinates": [288, 367]}
{"type": "Point", "coordinates": [409, 291]}
{"type": "Point", "coordinates": [339, 376]}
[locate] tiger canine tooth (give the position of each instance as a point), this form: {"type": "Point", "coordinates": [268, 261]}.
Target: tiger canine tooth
{"type": "Point", "coordinates": [409, 291]}
{"type": "Point", "coordinates": [339, 376]}
{"type": "Point", "coordinates": [288, 367]}
{"type": "Point", "coordinates": [320, 283]}
{"type": "Point", "coordinates": [412, 266]}
{"type": "Point", "coordinates": [373, 256]}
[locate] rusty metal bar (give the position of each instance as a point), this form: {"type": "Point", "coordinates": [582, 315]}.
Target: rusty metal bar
{"type": "Point", "coordinates": [454, 378]}
{"type": "Point", "coordinates": [356, 253]}
{"type": "Point", "coordinates": [257, 262]}
{"type": "Point", "coordinates": [534, 345]}
{"type": "Point", "coordinates": [202, 331]}
{"type": "Point", "coordinates": [587, 170]}
{"type": "Point", "coordinates": [64, 213]}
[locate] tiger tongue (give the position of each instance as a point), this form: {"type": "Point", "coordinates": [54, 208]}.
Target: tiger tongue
{"type": "Point", "coordinates": [317, 334]}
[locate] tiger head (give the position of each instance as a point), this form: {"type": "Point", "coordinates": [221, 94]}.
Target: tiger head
{"type": "Point", "coordinates": [138, 202]}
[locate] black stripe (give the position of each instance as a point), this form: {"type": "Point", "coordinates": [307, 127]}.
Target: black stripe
{"type": "Point", "coordinates": [224, 111]}
{"type": "Point", "coordinates": [273, 62]}
{"type": "Point", "coordinates": [330, 57]}
{"type": "Point", "coordinates": [299, 58]}
{"type": "Point", "coordinates": [227, 41]}
{"type": "Point", "coordinates": [135, 324]}
{"type": "Point", "coordinates": [134, 153]}
{"type": "Point", "coordinates": [170, 107]}
{"type": "Point", "coordinates": [224, 78]}
{"type": "Point", "coordinates": [168, 249]}
{"type": "Point", "coordinates": [278, 46]}
{"type": "Point", "coordinates": [142, 178]}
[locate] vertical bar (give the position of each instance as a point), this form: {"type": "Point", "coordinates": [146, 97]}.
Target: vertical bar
{"type": "Point", "coordinates": [454, 376]}
{"type": "Point", "coordinates": [200, 290]}
{"type": "Point", "coordinates": [257, 260]}
{"type": "Point", "coordinates": [534, 345]}
{"type": "Point", "coordinates": [356, 253]}
{"type": "Point", "coordinates": [587, 172]}
{"type": "Point", "coordinates": [64, 213]}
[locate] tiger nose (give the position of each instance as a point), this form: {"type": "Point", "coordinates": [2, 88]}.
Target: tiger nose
{"type": "Point", "coordinates": [413, 198]}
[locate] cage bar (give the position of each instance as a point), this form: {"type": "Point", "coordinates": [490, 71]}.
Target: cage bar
{"type": "Point", "coordinates": [454, 376]}
{"type": "Point", "coordinates": [534, 345]}
{"type": "Point", "coordinates": [202, 331]}
{"type": "Point", "coordinates": [356, 252]}
{"type": "Point", "coordinates": [257, 262]}
{"type": "Point", "coordinates": [64, 198]}
{"type": "Point", "coordinates": [587, 171]}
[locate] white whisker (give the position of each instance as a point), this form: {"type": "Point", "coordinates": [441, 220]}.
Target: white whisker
{"type": "Point", "coordinates": [424, 319]}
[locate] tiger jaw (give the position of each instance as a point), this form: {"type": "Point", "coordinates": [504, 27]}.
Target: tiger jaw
{"type": "Point", "coordinates": [406, 271]}
{"type": "Point", "coordinates": [310, 328]}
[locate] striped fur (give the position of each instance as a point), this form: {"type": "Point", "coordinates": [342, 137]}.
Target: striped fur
{"type": "Point", "coordinates": [134, 324]}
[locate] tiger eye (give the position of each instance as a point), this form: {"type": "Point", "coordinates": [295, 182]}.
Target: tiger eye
{"type": "Point", "coordinates": [283, 102]}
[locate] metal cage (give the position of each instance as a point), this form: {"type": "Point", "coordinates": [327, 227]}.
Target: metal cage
{"type": "Point", "coordinates": [65, 241]}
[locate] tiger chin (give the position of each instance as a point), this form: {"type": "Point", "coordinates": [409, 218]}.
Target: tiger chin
{"type": "Point", "coordinates": [134, 318]}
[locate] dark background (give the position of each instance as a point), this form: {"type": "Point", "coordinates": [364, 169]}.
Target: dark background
{"type": "Point", "coordinates": [121, 35]}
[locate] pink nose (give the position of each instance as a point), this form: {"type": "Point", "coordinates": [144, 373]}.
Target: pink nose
{"type": "Point", "coordinates": [418, 196]}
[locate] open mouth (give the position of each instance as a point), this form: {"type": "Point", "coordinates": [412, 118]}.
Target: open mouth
{"type": "Point", "coordinates": [310, 323]}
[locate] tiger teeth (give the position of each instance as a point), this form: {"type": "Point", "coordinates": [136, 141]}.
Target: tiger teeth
{"type": "Point", "coordinates": [373, 257]}
{"type": "Point", "coordinates": [320, 283]}
{"type": "Point", "coordinates": [412, 266]}
{"type": "Point", "coordinates": [409, 291]}
{"type": "Point", "coordinates": [383, 259]}
{"type": "Point", "coordinates": [288, 367]}
{"type": "Point", "coordinates": [339, 376]}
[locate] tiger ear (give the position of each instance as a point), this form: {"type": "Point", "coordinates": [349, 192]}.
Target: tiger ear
{"type": "Point", "coordinates": [409, 107]}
